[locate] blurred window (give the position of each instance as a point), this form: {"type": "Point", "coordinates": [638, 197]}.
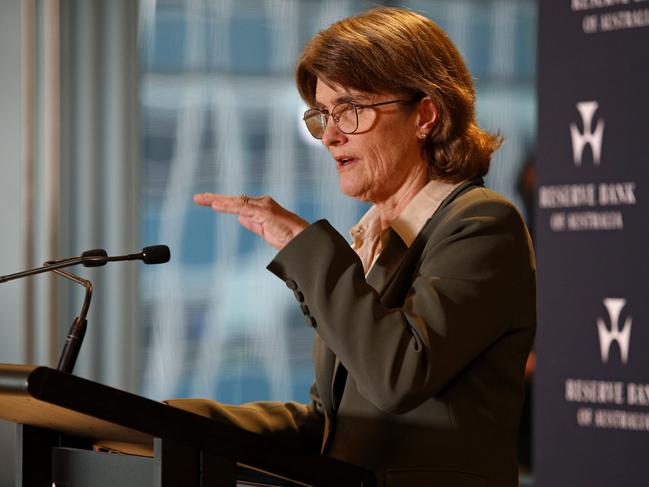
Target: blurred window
{"type": "Point", "coordinates": [220, 113]}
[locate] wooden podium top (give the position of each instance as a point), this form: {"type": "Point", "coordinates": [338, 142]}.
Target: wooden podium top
{"type": "Point", "coordinates": [29, 396]}
{"type": "Point", "coordinates": [48, 398]}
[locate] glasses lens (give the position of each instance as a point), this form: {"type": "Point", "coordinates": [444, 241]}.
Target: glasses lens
{"type": "Point", "coordinates": [345, 117]}
{"type": "Point", "coordinates": [315, 121]}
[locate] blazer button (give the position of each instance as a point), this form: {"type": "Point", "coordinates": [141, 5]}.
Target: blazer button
{"type": "Point", "coordinates": [310, 320]}
{"type": "Point", "coordinates": [291, 284]}
{"type": "Point", "coordinates": [299, 296]}
{"type": "Point", "coordinates": [305, 310]}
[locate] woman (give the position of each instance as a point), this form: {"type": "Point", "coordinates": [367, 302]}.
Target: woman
{"type": "Point", "coordinates": [423, 323]}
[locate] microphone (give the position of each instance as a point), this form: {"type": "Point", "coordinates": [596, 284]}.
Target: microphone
{"type": "Point", "coordinates": [156, 254]}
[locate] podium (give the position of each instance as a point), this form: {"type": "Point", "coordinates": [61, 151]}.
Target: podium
{"type": "Point", "coordinates": [60, 417]}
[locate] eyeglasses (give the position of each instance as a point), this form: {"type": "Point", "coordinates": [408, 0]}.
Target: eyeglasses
{"type": "Point", "coordinates": [344, 115]}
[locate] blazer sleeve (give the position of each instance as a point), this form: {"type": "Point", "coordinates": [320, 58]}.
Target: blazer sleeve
{"type": "Point", "coordinates": [474, 284]}
{"type": "Point", "coordinates": [293, 424]}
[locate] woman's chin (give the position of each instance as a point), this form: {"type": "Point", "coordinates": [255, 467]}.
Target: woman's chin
{"type": "Point", "coordinates": [348, 188]}
{"type": "Point", "coordinates": [352, 189]}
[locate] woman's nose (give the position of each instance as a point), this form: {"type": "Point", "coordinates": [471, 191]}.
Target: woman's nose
{"type": "Point", "coordinates": [332, 134]}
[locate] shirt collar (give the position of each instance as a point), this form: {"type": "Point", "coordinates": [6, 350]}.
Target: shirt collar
{"type": "Point", "coordinates": [367, 228]}
{"type": "Point", "coordinates": [411, 219]}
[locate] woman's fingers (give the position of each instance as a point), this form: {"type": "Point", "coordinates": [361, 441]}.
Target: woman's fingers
{"type": "Point", "coordinates": [222, 203]}
{"type": "Point", "coordinates": [260, 215]}
{"type": "Point", "coordinates": [203, 199]}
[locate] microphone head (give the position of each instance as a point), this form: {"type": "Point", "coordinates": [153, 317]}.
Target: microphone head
{"type": "Point", "coordinates": [96, 261]}
{"type": "Point", "coordinates": [156, 254]}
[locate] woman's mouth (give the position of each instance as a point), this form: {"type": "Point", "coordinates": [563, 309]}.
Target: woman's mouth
{"type": "Point", "coordinates": [344, 161]}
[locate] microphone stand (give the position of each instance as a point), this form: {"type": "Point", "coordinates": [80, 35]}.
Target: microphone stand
{"type": "Point", "coordinates": [77, 331]}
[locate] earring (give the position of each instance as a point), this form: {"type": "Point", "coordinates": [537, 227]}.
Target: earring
{"type": "Point", "coordinates": [421, 135]}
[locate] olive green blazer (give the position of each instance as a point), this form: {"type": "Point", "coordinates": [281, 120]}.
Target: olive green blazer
{"type": "Point", "coordinates": [419, 367]}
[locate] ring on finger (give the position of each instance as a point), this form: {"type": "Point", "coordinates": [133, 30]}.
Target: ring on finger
{"type": "Point", "coordinates": [244, 198]}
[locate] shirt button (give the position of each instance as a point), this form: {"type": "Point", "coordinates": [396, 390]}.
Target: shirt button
{"type": "Point", "coordinates": [305, 310]}
{"type": "Point", "coordinates": [299, 296]}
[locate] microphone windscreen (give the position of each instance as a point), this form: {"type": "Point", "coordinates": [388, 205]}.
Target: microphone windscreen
{"type": "Point", "coordinates": [94, 262]}
{"type": "Point", "coordinates": [156, 254]}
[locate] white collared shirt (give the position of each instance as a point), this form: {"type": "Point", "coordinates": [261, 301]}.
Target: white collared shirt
{"type": "Point", "coordinates": [367, 237]}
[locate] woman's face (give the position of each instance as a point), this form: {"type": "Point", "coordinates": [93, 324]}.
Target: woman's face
{"type": "Point", "coordinates": [383, 158]}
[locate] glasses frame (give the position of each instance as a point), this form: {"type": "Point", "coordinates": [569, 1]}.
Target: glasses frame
{"type": "Point", "coordinates": [326, 114]}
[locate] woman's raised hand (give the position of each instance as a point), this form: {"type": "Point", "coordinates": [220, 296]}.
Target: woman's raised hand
{"type": "Point", "coordinates": [261, 215]}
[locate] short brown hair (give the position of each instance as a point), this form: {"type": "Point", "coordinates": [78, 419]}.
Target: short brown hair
{"type": "Point", "coordinates": [396, 50]}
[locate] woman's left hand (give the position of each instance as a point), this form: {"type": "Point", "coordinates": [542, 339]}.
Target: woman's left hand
{"type": "Point", "coordinates": [261, 215]}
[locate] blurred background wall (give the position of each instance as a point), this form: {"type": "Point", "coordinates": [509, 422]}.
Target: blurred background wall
{"type": "Point", "coordinates": [11, 209]}
{"type": "Point", "coordinates": [115, 112]}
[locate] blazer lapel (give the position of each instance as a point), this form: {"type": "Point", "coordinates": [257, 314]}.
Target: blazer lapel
{"type": "Point", "coordinates": [388, 262]}
{"type": "Point", "coordinates": [469, 183]}
{"type": "Point", "coordinates": [379, 277]}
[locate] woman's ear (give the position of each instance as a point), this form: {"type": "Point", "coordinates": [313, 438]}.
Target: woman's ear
{"type": "Point", "coordinates": [427, 116]}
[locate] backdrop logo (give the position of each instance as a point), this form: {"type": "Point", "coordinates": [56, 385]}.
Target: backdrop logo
{"type": "Point", "coordinates": [621, 337]}
{"type": "Point", "coordinates": [588, 136]}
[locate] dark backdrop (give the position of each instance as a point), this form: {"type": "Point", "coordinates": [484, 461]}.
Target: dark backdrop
{"type": "Point", "coordinates": [592, 385]}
